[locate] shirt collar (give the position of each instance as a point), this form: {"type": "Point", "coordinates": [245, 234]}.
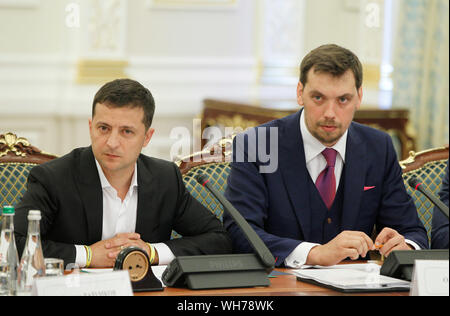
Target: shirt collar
{"type": "Point", "coordinates": [313, 147]}
{"type": "Point", "coordinates": [104, 181]}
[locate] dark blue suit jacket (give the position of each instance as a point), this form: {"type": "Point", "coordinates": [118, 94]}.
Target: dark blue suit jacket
{"type": "Point", "coordinates": [439, 233]}
{"type": "Point", "coordinates": [276, 204]}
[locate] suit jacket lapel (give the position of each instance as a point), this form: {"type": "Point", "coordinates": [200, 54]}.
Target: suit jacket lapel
{"type": "Point", "coordinates": [147, 209]}
{"type": "Point", "coordinates": [355, 171]}
{"type": "Point", "coordinates": [294, 171]}
{"type": "Point", "coordinates": [89, 186]}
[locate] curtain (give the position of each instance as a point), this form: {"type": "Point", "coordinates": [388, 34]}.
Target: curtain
{"type": "Point", "coordinates": [421, 69]}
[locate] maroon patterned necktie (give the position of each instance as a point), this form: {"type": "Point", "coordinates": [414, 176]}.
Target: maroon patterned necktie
{"type": "Point", "coordinates": [326, 182]}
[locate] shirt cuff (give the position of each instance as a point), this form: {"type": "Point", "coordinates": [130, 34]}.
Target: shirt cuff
{"type": "Point", "coordinates": [165, 255]}
{"type": "Point", "coordinates": [413, 244]}
{"type": "Point", "coordinates": [80, 258]}
{"type": "Point", "coordinates": [298, 257]}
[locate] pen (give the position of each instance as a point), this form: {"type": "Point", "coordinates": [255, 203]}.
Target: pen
{"type": "Point", "coordinates": [378, 246]}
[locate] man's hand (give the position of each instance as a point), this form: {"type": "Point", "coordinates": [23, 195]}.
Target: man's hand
{"type": "Point", "coordinates": [104, 253]}
{"type": "Point", "coordinates": [391, 240]}
{"type": "Point", "coordinates": [348, 244]}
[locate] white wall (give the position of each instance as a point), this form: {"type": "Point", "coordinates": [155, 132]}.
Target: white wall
{"type": "Point", "coordinates": [181, 55]}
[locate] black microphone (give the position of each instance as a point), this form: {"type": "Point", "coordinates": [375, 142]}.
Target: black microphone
{"type": "Point", "coordinates": [417, 185]}
{"type": "Point", "coordinates": [223, 271]}
{"type": "Point", "coordinates": [255, 241]}
{"type": "Point", "coordinates": [400, 264]}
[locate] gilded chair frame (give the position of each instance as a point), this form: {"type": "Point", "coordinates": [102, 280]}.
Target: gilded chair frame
{"type": "Point", "coordinates": [17, 158]}
{"type": "Point", "coordinates": [214, 162]}
{"type": "Point", "coordinates": [429, 167]}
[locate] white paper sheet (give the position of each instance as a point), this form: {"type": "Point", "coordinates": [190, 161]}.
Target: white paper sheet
{"type": "Point", "coordinates": [352, 277]}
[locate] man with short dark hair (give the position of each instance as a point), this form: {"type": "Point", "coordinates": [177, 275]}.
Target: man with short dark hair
{"type": "Point", "coordinates": [336, 179]}
{"type": "Point", "coordinates": [98, 200]}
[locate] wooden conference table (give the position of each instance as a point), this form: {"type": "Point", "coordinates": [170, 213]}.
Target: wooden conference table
{"type": "Point", "coordinates": [281, 285]}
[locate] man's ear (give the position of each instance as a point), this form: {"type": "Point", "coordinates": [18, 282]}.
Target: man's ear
{"type": "Point", "coordinates": [148, 136]}
{"type": "Point", "coordinates": [300, 94]}
{"type": "Point", "coordinates": [90, 127]}
{"type": "Point", "coordinates": [360, 96]}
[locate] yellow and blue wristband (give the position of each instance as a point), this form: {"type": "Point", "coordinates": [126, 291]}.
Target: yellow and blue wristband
{"type": "Point", "coordinates": [88, 256]}
{"type": "Point", "coordinates": [152, 253]}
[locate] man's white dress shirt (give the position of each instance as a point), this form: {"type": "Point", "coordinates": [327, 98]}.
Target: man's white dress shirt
{"type": "Point", "coordinates": [120, 217]}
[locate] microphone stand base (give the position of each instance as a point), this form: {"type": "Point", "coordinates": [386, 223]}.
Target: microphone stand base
{"type": "Point", "coordinates": [217, 272]}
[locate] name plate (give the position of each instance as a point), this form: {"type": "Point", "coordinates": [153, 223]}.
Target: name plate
{"type": "Point", "coordinates": [115, 283]}
{"type": "Point", "coordinates": [430, 278]}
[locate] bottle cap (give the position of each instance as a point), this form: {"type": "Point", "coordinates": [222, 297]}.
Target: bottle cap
{"type": "Point", "coordinates": [8, 210]}
{"type": "Point", "coordinates": [34, 215]}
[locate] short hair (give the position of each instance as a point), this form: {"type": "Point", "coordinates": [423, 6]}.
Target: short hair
{"type": "Point", "coordinates": [127, 93]}
{"type": "Point", "coordinates": [334, 60]}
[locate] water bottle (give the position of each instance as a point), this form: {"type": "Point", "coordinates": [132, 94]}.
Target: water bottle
{"type": "Point", "coordinates": [32, 262]}
{"type": "Point", "coordinates": [9, 259]}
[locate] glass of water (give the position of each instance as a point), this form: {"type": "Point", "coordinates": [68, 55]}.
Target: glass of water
{"type": "Point", "coordinates": [54, 267]}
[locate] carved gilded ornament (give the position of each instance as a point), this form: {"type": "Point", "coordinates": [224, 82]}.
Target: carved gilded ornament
{"type": "Point", "coordinates": [223, 147]}
{"type": "Point", "coordinates": [20, 146]}
{"type": "Point", "coordinates": [412, 156]}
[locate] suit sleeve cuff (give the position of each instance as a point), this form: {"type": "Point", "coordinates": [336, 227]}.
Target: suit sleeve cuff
{"type": "Point", "coordinates": [298, 257]}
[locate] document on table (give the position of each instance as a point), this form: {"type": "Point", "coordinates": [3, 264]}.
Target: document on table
{"type": "Point", "coordinates": [351, 278]}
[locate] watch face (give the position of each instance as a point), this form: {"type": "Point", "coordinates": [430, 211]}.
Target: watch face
{"type": "Point", "coordinates": [137, 265]}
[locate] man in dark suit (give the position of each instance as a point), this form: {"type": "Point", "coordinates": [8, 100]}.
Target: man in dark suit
{"type": "Point", "coordinates": [334, 179]}
{"type": "Point", "coordinates": [96, 201]}
{"type": "Point", "coordinates": [439, 232]}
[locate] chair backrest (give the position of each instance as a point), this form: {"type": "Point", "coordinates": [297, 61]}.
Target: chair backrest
{"type": "Point", "coordinates": [17, 158]}
{"type": "Point", "coordinates": [428, 167]}
{"type": "Point", "coordinates": [213, 162]}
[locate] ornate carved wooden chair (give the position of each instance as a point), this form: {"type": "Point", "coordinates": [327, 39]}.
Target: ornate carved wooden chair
{"type": "Point", "coordinates": [17, 158]}
{"type": "Point", "coordinates": [213, 162]}
{"type": "Point", "coordinates": [429, 167]}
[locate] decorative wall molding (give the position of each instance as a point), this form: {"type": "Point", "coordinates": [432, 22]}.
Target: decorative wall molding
{"type": "Point", "coordinates": [372, 75]}
{"type": "Point", "coordinates": [283, 27]}
{"type": "Point", "coordinates": [98, 71]}
{"type": "Point", "coordinates": [105, 35]}
{"type": "Point", "coordinates": [177, 70]}
{"type": "Point", "coordinates": [41, 100]}
{"type": "Point", "coordinates": [48, 84]}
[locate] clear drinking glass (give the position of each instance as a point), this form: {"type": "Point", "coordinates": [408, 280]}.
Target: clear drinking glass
{"type": "Point", "coordinates": [54, 267]}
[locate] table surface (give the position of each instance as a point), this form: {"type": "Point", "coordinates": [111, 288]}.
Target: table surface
{"type": "Point", "coordinates": [281, 285]}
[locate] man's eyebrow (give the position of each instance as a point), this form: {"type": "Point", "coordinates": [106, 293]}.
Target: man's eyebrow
{"type": "Point", "coordinates": [315, 92]}
{"type": "Point", "coordinates": [347, 95]}
{"type": "Point", "coordinates": [102, 123]}
{"type": "Point", "coordinates": [128, 127]}
{"type": "Point", "coordinates": [123, 126]}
